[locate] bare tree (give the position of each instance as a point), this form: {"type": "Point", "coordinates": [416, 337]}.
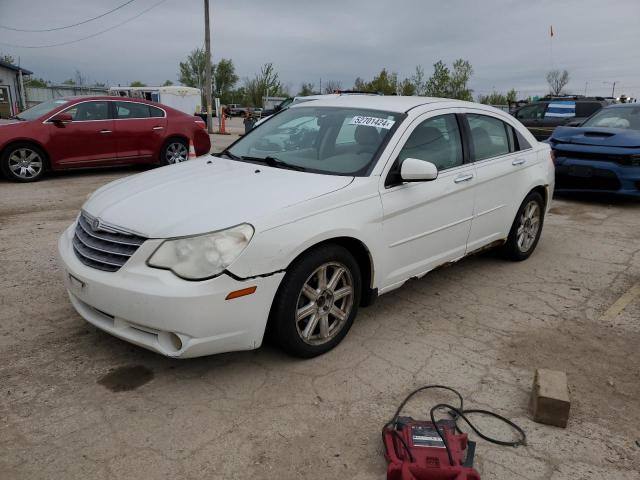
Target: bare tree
{"type": "Point", "coordinates": [332, 86]}
{"type": "Point", "coordinates": [557, 80]}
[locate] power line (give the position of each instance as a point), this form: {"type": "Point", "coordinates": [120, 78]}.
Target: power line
{"type": "Point", "coordinates": [67, 26]}
{"type": "Point", "coordinates": [88, 36]}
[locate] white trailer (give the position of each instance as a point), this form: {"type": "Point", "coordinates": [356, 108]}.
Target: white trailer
{"type": "Point", "coordinates": [185, 99]}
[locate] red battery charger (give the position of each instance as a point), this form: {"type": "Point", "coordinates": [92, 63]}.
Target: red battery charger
{"type": "Point", "coordinates": [436, 449]}
{"type": "Point", "coordinates": [416, 451]}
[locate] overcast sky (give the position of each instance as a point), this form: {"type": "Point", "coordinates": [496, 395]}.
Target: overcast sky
{"type": "Point", "coordinates": [506, 41]}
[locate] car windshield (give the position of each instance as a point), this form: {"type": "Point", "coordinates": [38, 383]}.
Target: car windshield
{"type": "Point", "coordinates": [331, 140]}
{"type": "Point", "coordinates": [616, 117]}
{"type": "Point", "coordinates": [41, 109]}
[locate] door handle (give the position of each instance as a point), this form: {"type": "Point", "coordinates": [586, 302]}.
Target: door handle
{"type": "Point", "coordinates": [157, 128]}
{"type": "Point", "coordinates": [519, 161]}
{"type": "Point", "coordinates": [105, 131]}
{"type": "Point", "coordinates": [463, 178]}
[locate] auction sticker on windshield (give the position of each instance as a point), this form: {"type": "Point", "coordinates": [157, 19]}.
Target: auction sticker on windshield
{"type": "Point", "coordinates": [372, 122]}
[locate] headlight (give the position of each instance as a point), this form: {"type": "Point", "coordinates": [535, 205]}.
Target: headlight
{"type": "Point", "coordinates": [202, 256]}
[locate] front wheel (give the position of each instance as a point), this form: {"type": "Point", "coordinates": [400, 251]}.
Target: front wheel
{"type": "Point", "coordinates": [526, 229]}
{"type": "Point", "coordinates": [23, 162]}
{"type": "Point", "coordinates": [317, 301]}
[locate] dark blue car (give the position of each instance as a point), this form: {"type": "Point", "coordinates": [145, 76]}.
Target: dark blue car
{"type": "Point", "coordinates": [602, 154]}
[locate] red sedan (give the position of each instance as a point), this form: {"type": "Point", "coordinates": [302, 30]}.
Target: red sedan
{"type": "Point", "coordinates": [80, 132]}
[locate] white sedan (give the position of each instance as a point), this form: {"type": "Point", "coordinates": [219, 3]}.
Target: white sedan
{"type": "Point", "coordinates": [302, 221]}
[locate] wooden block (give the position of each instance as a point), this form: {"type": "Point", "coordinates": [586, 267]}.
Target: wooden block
{"type": "Point", "coordinates": [550, 402]}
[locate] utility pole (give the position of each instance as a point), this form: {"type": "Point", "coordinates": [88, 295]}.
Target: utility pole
{"type": "Point", "coordinates": [207, 43]}
{"type": "Point", "coordinates": [613, 89]}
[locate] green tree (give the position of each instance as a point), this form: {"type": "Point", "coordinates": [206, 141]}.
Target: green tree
{"type": "Point", "coordinates": [137, 83]}
{"type": "Point", "coordinates": [35, 82]}
{"type": "Point", "coordinates": [419, 82]}
{"type": "Point", "coordinates": [385, 83]}
{"type": "Point", "coordinates": [192, 70]}
{"type": "Point", "coordinates": [407, 87]}
{"type": "Point", "coordinates": [438, 83]}
{"type": "Point", "coordinates": [224, 79]}
{"type": "Point", "coordinates": [360, 85]}
{"type": "Point", "coordinates": [512, 96]}
{"type": "Point", "coordinates": [460, 76]}
{"type": "Point", "coordinates": [167, 83]}
{"type": "Point", "coordinates": [306, 89]}
{"type": "Point", "coordinates": [69, 81]}
{"type": "Point", "coordinates": [265, 83]}
{"type": "Point", "coordinates": [452, 83]}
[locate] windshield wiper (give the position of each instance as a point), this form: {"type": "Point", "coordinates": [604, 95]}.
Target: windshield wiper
{"type": "Point", "coordinates": [230, 155]}
{"type": "Point", "coordinates": [274, 162]}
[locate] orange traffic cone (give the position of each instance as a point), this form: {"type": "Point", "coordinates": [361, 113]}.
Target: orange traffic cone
{"type": "Point", "coordinates": [192, 150]}
{"type": "Point", "coordinates": [222, 126]}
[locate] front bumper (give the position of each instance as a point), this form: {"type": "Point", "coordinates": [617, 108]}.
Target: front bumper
{"type": "Point", "coordinates": [580, 175]}
{"type": "Point", "coordinates": [156, 310]}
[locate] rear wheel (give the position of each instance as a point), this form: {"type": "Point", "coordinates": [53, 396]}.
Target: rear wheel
{"type": "Point", "coordinates": [23, 162]}
{"type": "Point", "coordinates": [526, 229]}
{"type": "Point", "coordinates": [317, 301]}
{"type": "Point", "coordinates": [175, 150]}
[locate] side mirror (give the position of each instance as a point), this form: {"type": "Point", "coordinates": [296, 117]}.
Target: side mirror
{"type": "Point", "coordinates": [575, 123]}
{"type": "Point", "coordinates": [414, 170]}
{"type": "Point", "coordinates": [61, 118]}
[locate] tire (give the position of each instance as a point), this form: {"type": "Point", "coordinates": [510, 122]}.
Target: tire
{"type": "Point", "coordinates": [175, 150]}
{"type": "Point", "coordinates": [23, 162]}
{"type": "Point", "coordinates": [526, 229]}
{"type": "Point", "coordinates": [305, 317]}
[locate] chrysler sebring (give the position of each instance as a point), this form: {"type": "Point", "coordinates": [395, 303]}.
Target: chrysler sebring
{"type": "Point", "coordinates": [302, 221]}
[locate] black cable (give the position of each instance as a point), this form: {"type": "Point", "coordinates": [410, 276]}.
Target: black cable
{"type": "Point", "coordinates": [88, 36]}
{"type": "Point", "coordinates": [67, 26]}
{"type": "Point", "coordinates": [456, 413]}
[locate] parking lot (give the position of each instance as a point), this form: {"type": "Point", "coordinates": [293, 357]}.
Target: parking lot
{"type": "Point", "coordinates": [76, 403]}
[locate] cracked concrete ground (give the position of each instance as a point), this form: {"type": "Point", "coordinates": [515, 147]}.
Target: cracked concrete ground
{"type": "Point", "coordinates": [482, 325]}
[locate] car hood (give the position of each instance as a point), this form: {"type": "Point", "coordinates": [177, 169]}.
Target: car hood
{"type": "Point", "coordinates": [606, 137]}
{"type": "Point", "coordinates": [204, 195]}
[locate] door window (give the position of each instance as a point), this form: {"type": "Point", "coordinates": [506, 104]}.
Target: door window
{"type": "Point", "coordinates": [586, 109]}
{"type": "Point", "coordinates": [155, 112]}
{"type": "Point", "coordinates": [436, 140]}
{"type": "Point", "coordinates": [132, 110]}
{"type": "Point", "coordinates": [88, 111]}
{"type": "Point", "coordinates": [489, 136]}
{"type": "Point", "coordinates": [531, 112]}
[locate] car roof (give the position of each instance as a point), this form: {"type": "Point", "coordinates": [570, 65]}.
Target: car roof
{"type": "Point", "coordinates": [389, 103]}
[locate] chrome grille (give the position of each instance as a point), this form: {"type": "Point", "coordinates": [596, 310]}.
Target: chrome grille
{"type": "Point", "coordinates": [102, 249]}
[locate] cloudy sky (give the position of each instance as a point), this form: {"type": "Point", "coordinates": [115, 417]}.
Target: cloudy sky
{"type": "Point", "coordinates": [507, 41]}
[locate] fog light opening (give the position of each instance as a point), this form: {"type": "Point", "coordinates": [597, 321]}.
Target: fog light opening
{"type": "Point", "coordinates": [171, 341]}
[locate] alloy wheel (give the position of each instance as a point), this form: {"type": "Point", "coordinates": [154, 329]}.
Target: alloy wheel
{"type": "Point", "coordinates": [324, 303]}
{"type": "Point", "coordinates": [25, 163]}
{"type": "Point", "coordinates": [176, 152]}
{"type": "Point", "coordinates": [529, 226]}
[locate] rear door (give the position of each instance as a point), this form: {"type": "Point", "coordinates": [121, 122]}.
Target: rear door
{"type": "Point", "coordinates": [139, 130]}
{"type": "Point", "coordinates": [88, 139]}
{"type": "Point", "coordinates": [559, 112]}
{"type": "Point", "coordinates": [531, 116]}
{"type": "Point", "coordinates": [500, 156]}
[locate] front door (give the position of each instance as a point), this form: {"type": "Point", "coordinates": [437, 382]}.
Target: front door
{"type": "Point", "coordinates": [87, 139]}
{"type": "Point", "coordinates": [427, 224]}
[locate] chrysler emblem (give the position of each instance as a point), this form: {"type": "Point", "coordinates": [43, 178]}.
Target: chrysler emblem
{"type": "Point", "coordinates": [95, 225]}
